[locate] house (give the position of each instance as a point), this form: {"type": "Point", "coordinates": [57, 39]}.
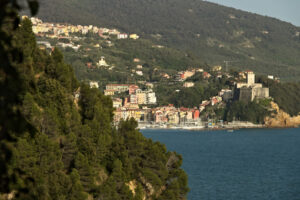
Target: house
{"type": "Point", "coordinates": [89, 65]}
{"type": "Point", "coordinates": [151, 98]}
{"type": "Point", "coordinates": [188, 84]}
{"type": "Point", "coordinates": [217, 68]}
{"type": "Point", "coordinates": [132, 89]}
{"type": "Point", "coordinates": [165, 75]}
{"type": "Point", "coordinates": [133, 98]}
{"type": "Point", "coordinates": [196, 114]}
{"type": "Point", "coordinates": [118, 87]}
{"type": "Point", "coordinates": [186, 74]}
{"type": "Point", "coordinates": [139, 66]}
{"type": "Point", "coordinates": [102, 62]}
{"type": "Point", "coordinates": [149, 85]}
{"type": "Point", "coordinates": [141, 97]}
{"type": "Point", "coordinates": [215, 100]}
{"type": "Point", "coordinates": [94, 84]}
{"type": "Point", "coordinates": [226, 94]}
{"type": "Point", "coordinates": [109, 92]}
{"type": "Point", "coordinates": [140, 73]}
{"type": "Point", "coordinates": [122, 36]}
{"type": "Point", "coordinates": [206, 75]}
{"type": "Point", "coordinates": [199, 70]}
{"type": "Point", "coordinates": [134, 36]}
{"type": "Point", "coordinates": [173, 118]}
{"type": "Point", "coordinates": [136, 60]}
{"type": "Point", "coordinates": [117, 102]}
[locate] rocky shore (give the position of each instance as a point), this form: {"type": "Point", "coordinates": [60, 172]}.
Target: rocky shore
{"type": "Point", "coordinates": [281, 119]}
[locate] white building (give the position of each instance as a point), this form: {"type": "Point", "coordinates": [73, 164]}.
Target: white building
{"type": "Point", "coordinates": [102, 62]}
{"type": "Point", "coordinates": [151, 98]}
{"type": "Point", "coordinates": [140, 73]}
{"type": "Point", "coordinates": [94, 84]}
{"type": "Point", "coordinates": [188, 84]}
{"type": "Point", "coordinates": [122, 36]}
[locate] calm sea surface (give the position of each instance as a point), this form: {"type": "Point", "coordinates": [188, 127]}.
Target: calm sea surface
{"type": "Point", "coordinates": [248, 164]}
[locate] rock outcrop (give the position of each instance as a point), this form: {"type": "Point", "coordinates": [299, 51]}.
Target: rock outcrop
{"type": "Point", "coordinates": [281, 119]}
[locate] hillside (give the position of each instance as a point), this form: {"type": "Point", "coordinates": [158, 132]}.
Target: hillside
{"type": "Point", "coordinates": [120, 56]}
{"type": "Point", "coordinates": [58, 142]}
{"type": "Point", "coordinates": [212, 32]}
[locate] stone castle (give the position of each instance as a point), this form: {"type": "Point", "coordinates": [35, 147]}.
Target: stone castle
{"type": "Point", "coordinates": [250, 90]}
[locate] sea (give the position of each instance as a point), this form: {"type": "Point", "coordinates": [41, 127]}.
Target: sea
{"type": "Point", "coordinates": [245, 164]}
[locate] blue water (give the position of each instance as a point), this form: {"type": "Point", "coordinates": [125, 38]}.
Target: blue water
{"type": "Point", "coordinates": [249, 164]}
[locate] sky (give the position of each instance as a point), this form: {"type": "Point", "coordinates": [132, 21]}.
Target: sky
{"type": "Point", "coordinates": [285, 10]}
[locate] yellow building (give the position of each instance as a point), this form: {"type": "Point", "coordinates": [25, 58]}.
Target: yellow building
{"type": "Point", "coordinates": [141, 98]}
{"type": "Point", "coordinates": [109, 92]}
{"type": "Point", "coordinates": [134, 36]}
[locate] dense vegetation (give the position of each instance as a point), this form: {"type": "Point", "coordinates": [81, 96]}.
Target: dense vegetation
{"type": "Point", "coordinates": [204, 89]}
{"type": "Point", "coordinates": [70, 149]}
{"type": "Point", "coordinates": [120, 55]}
{"type": "Point", "coordinates": [286, 95]}
{"type": "Point", "coordinates": [214, 33]}
{"type": "Point", "coordinates": [255, 111]}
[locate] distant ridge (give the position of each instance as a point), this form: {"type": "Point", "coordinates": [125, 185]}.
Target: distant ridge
{"type": "Point", "coordinates": [212, 32]}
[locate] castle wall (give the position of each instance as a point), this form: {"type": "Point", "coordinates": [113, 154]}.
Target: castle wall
{"type": "Point", "coordinates": [245, 94]}
{"type": "Point", "coordinates": [261, 92]}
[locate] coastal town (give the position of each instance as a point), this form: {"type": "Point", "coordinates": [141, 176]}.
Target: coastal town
{"type": "Point", "coordinates": [139, 100]}
{"type": "Point", "coordinates": [141, 104]}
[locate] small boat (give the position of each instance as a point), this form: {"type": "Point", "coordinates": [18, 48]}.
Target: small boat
{"type": "Point", "coordinates": [230, 130]}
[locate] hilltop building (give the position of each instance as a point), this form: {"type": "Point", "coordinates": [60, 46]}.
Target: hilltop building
{"type": "Point", "coordinates": [94, 84]}
{"type": "Point", "coordinates": [250, 90]}
{"type": "Point", "coordinates": [102, 62]}
{"type": "Point", "coordinates": [188, 84]}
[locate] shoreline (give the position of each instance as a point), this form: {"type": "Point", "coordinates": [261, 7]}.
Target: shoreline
{"type": "Point", "coordinates": [229, 128]}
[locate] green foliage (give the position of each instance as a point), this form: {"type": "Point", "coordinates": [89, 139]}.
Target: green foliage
{"type": "Point", "coordinates": [12, 122]}
{"type": "Point", "coordinates": [286, 95]}
{"type": "Point", "coordinates": [254, 111]}
{"type": "Point", "coordinates": [190, 97]}
{"type": "Point", "coordinates": [212, 32]}
{"type": "Point", "coordinates": [75, 152]}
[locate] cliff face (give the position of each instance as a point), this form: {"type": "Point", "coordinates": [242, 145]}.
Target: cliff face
{"type": "Point", "coordinates": [281, 118]}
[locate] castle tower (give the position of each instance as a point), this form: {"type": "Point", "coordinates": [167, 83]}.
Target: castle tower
{"type": "Point", "coordinates": [250, 78]}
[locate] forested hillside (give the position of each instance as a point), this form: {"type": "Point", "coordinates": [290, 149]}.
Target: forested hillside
{"type": "Point", "coordinates": [70, 149]}
{"type": "Point", "coordinates": [214, 33]}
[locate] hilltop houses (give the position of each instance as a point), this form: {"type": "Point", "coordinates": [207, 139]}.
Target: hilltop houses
{"type": "Point", "coordinates": [56, 30]}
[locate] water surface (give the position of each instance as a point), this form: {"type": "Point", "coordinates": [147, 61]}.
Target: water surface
{"type": "Point", "coordinates": [248, 164]}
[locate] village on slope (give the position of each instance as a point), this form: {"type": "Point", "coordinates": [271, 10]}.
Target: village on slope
{"type": "Point", "coordinates": [141, 103]}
